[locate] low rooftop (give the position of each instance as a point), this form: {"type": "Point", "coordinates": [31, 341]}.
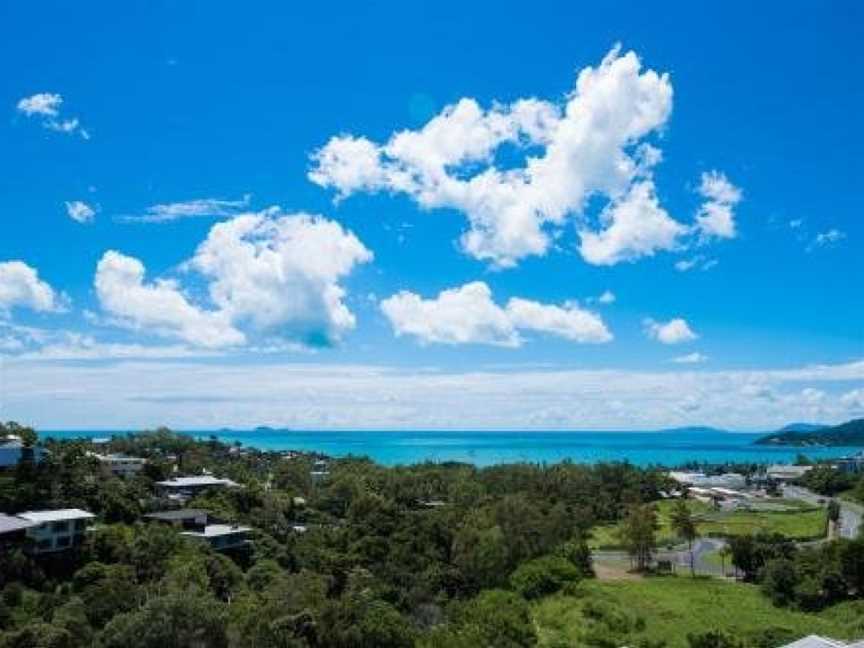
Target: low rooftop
{"type": "Point", "coordinates": [60, 515]}
{"type": "Point", "coordinates": [178, 514]}
{"type": "Point", "coordinates": [11, 523]}
{"type": "Point", "coordinates": [815, 641]}
{"type": "Point", "coordinates": [216, 530]}
{"type": "Point", "coordinates": [193, 482]}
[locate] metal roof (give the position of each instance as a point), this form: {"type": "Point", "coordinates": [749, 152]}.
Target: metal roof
{"type": "Point", "coordinates": [216, 530]}
{"type": "Point", "coordinates": [815, 641]}
{"type": "Point", "coordinates": [10, 523]}
{"type": "Point", "coordinates": [179, 514]}
{"type": "Point", "coordinates": [186, 482]}
{"type": "Point", "coordinates": [60, 515]}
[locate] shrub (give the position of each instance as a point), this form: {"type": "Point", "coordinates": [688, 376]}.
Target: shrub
{"type": "Point", "coordinates": [543, 576]}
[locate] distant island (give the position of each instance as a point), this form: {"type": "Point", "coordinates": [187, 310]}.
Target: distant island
{"type": "Point", "coordinates": [850, 433]}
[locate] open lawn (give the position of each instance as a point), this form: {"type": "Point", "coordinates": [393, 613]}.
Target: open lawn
{"type": "Point", "coordinates": [799, 521]}
{"type": "Point", "coordinates": [668, 608]}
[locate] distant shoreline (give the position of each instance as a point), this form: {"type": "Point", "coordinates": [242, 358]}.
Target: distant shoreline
{"type": "Point", "coordinates": [672, 448]}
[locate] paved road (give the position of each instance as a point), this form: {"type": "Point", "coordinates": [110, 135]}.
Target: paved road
{"type": "Point", "coordinates": [850, 514]}
{"type": "Point", "coordinates": [680, 556]}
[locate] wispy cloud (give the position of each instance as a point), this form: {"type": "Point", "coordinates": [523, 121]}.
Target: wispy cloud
{"type": "Point", "coordinates": [192, 394]}
{"type": "Point", "coordinates": [45, 107]}
{"type": "Point", "coordinates": [80, 211]}
{"type": "Point", "coordinates": [199, 208]}
{"type": "Point", "coordinates": [691, 358]}
{"type": "Point", "coordinates": [698, 262]}
{"type": "Point", "coordinates": [826, 239]}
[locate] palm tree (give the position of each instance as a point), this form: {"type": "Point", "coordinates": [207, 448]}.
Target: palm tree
{"type": "Point", "coordinates": [724, 552]}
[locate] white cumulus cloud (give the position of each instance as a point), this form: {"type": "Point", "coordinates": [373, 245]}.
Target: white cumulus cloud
{"type": "Point", "coordinates": [159, 307]}
{"type": "Point", "coordinates": [592, 145]}
{"type": "Point", "coordinates": [716, 217]}
{"type": "Point", "coordinates": [607, 297]}
{"type": "Point", "coordinates": [80, 211]}
{"type": "Point", "coordinates": [280, 274]}
{"type": "Point", "coordinates": [675, 331]}
{"type": "Point", "coordinates": [270, 277]}
{"type": "Point", "coordinates": [20, 286]}
{"type": "Point", "coordinates": [468, 315]}
{"type": "Point", "coordinates": [633, 226]}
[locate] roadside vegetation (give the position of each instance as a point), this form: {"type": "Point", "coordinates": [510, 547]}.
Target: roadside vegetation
{"type": "Point", "coordinates": [664, 611]}
{"type": "Point", "coordinates": [791, 518]}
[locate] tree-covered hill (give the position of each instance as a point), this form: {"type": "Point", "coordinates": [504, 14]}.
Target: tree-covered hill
{"type": "Point", "coordinates": [850, 433]}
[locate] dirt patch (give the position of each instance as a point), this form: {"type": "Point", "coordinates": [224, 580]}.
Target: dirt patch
{"type": "Point", "coordinates": [606, 571]}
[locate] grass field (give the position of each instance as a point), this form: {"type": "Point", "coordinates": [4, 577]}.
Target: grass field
{"type": "Point", "coordinates": [668, 608]}
{"type": "Point", "coordinates": [799, 522]}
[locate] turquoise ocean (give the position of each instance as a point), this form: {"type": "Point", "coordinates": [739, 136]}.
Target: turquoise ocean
{"type": "Point", "coordinates": [669, 448]}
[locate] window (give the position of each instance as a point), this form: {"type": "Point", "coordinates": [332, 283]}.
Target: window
{"type": "Point", "coordinates": [63, 542]}
{"type": "Point", "coordinates": [60, 527]}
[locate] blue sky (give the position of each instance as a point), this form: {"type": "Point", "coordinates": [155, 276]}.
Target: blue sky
{"type": "Point", "coordinates": [158, 160]}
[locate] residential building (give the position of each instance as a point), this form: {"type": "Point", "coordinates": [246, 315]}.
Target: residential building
{"type": "Point", "coordinates": [189, 519]}
{"type": "Point", "coordinates": [853, 464]}
{"type": "Point", "coordinates": [734, 481]}
{"type": "Point", "coordinates": [199, 525]}
{"type": "Point", "coordinates": [319, 471]}
{"type": "Point", "coordinates": [221, 537]}
{"type": "Point", "coordinates": [785, 472]}
{"type": "Point", "coordinates": [13, 531]}
{"type": "Point", "coordinates": [12, 450]}
{"type": "Point", "coordinates": [815, 641]}
{"type": "Point", "coordinates": [183, 488]}
{"type": "Point", "coordinates": [121, 465]}
{"type": "Point", "coordinates": [55, 530]}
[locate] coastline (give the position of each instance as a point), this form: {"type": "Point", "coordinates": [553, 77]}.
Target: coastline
{"type": "Point", "coordinates": [671, 448]}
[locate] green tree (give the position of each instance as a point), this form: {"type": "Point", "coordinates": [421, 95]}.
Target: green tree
{"type": "Point", "coordinates": [37, 635]}
{"type": "Point", "coordinates": [579, 554]}
{"type": "Point", "coordinates": [178, 620]}
{"type": "Point", "coordinates": [684, 524]}
{"type": "Point", "coordinates": [779, 580]}
{"type": "Point", "coordinates": [542, 576]}
{"type": "Point", "coordinates": [638, 534]}
{"type": "Point", "coordinates": [72, 617]}
{"type": "Point", "coordinates": [494, 618]}
{"type": "Point", "coordinates": [713, 639]}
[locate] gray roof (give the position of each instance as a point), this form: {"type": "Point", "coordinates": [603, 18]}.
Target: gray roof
{"type": "Point", "coordinates": [815, 641]}
{"type": "Point", "coordinates": [58, 515]}
{"type": "Point", "coordinates": [193, 482]}
{"type": "Point", "coordinates": [217, 530]}
{"type": "Point", "coordinates": [179, 514]}
{"type": "Point", "coordinates": [10, 523]}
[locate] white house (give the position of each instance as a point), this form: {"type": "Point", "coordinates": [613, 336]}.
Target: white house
{"type": "Point", "coordinates": [188, 486]}
{"type": "Point", "coordinates": [56, 530]}
{"type": "Point", "coordinates": [815, 641]}
{"type": "Point", "coordinates": [319, 471]}
{"type": "Point", "coordinates": [12, 450]}
{"type": "Point", "coordinates": [13, 530]}
{"type": "Point", "coordinates": [221, 537]}
{"type": "Point", "coordinates": [734, 481]}
{"type": "Point", "coordinates": [121, 465]}
{"type": "Point", "coordinates": [784, 472]}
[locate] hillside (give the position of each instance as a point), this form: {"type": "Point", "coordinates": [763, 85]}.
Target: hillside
{"type": "Point", "coordinates": [850, 433]}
